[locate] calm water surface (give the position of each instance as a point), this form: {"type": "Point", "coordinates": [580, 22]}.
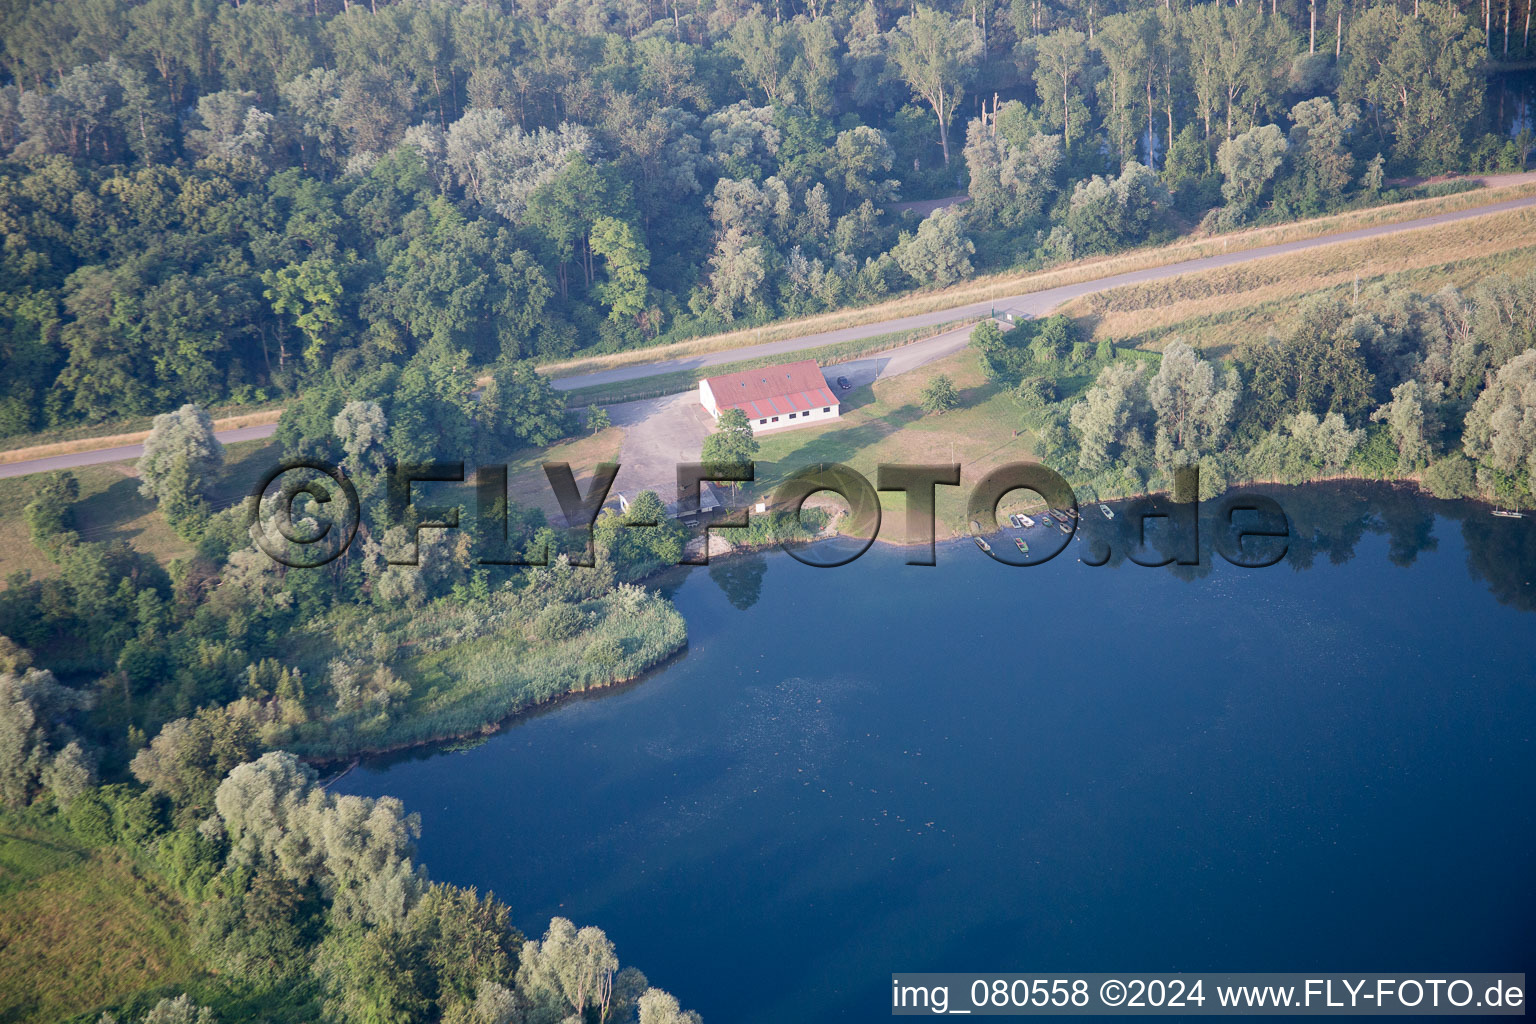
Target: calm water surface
{"type": "Point", "coordinates": [1324, 765]}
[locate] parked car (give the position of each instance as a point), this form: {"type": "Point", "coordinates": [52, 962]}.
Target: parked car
{"type": "Point", "coordinates": [844, 383]}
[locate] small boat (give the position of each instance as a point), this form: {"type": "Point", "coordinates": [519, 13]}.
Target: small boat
{"type": "Point", "coordinates": [1072, 512]}
{"type": "Point", "coordinates": [1064, 528]}
{"type": "Point", "coordinates": [1028, 522]}
{"type": "Point", "coordinates": [1014, 519]}
{"type": "Point", "coordinates": [1109, 513]}
{"type": "Point", "coordinates": [981, 542]}
{"type": "Point", "coordinates": [1508, 513]}
{"type": "Point", "coordinates": [1019, 543]}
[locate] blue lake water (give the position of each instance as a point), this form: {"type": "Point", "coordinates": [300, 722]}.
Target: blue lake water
{"type": "Point", "coordinates": [1323, 765]}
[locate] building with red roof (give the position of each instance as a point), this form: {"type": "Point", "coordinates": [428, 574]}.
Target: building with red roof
{"type": "Point", "coordinates": [774, 397]}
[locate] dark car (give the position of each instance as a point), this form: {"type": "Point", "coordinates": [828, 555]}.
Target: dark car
{"type": "Point", "coordinates": [843, 383]}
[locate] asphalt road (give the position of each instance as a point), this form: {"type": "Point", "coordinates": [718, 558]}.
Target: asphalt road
{"type": "Point", "coordinates": [1032, 303]}
{"type": "Point", "coordinates": [121, 453]}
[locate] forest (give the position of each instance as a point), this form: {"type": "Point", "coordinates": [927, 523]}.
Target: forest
{"type": "Point", "coordinates": [236, 202]}
{"type": "Point", "coordinates": [385, 216]}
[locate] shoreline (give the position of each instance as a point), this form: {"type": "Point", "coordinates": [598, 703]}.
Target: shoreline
{"type": "Point", "coordinates": [355, 757]}
{"type": "Point", "coordinates": [487, 729]}
{"type": "Point", "coordinates": [954, 535]}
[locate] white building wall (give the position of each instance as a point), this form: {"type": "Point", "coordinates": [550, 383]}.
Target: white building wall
{"type": "Point", "coordinates": [707, 399]}
{"type": "Point", "coordinates": [782, 420]}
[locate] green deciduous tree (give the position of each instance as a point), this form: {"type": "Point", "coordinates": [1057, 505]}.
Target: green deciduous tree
{"type": "Point", "coordinates": [1501, 430]}
{"type": "Point", "coordinates": [939, 254]}
{"type": "Point", "coordinates": [1110, 422]}
{"type": "Point", "coordinates": [309, 293]}
{"type": "Point", "coordinates": [1248, 162]}
{"type": "Point", "coordinates": [1408, 416]}
{"type": "Point", "coordinates": [934, 54]}
{"type": "Point", "coordinates": [34, 730]}
{"type": "Point", "coordinates": [732, 445]}
{"type": "Point", "coordinates": [1420, 73]}
{"type": "Point", "coordinates": [180, 455]}
{"type": "Point", "coordinates": [1061, 59]}
{"type": "Point", "coordinates": [520, 407]}
{"type": "Point", "coordinates": [626, 260]}
{"type": "Point", "coordinates": [50, 513]}
{"type": "Point", "coordinates": [939, 395]}
{"type": "Point", "coordinates": [1193, 410]}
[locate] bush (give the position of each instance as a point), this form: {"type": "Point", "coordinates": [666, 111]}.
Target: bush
{"type": "Point", "coordinates": [558, 622]}
{"type": "Point", "coordinates": [1035, 393]}
{"type": "Point", "coordinates": [50, 514]}
{"type": "Point", "coordinates": [90, 818]}
{"type": "Point", "coordinates": [1451, 477]}
{"type": "Point", "coordinates": [1378, 456]}
{"type": "Point", "coordinates": [1054, 339]}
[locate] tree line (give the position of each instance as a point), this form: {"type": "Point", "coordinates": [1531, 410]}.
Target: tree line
{"type": "Point", "coordinates": [216, 202]}
{"type": "Point", "coordinates": [1391, 383]}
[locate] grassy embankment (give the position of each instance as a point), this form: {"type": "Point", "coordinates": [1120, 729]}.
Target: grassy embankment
{"type": "Point", "coordinates": [1219, 310]}
{"type": "Point", "coordinates": [88, 437]}
{"type": "Point", "coordinates": [995, 286]}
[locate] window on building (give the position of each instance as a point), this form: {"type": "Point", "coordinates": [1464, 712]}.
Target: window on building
{"type": "Point", "coordinates": [761, 422]}
{"type": "Point", "coordinates": [826, 408]}
{"type": "Point", "coordinates": [791, 415]}
{"type": "Point", "coordinates": [775, 419]}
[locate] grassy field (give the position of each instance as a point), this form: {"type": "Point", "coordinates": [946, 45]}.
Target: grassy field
{"type": "Point", "coordinates": [981, 289]}
{"type": "Point", "coordinates": [525, 473]}
{"type": "Point", "coordinates": [1223, 309]}
{"type": "Point", "coordinates": [81, 929]}
{"type": "Point", "coordinates": [887, 424]}
{"type": "Point", "coordinates": [111, 508]}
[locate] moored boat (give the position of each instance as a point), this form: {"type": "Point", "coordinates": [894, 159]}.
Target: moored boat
{"type": "Point", "coordinates": [1019, 543]}
{"type": "Point", "coordinates": [981, 542]}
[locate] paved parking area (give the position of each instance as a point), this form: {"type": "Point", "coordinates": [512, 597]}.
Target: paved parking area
{"type": "Point", "coordinates": [658, 434]}
{"type": "Point", "coordinates": [661, 432]}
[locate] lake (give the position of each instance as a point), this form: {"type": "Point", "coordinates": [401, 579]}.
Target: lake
{"type": "Point", "coordinates": [1322, 765]}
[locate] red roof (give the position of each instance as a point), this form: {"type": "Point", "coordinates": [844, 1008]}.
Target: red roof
{"type": "Point", "coordinates": [773, 390]}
